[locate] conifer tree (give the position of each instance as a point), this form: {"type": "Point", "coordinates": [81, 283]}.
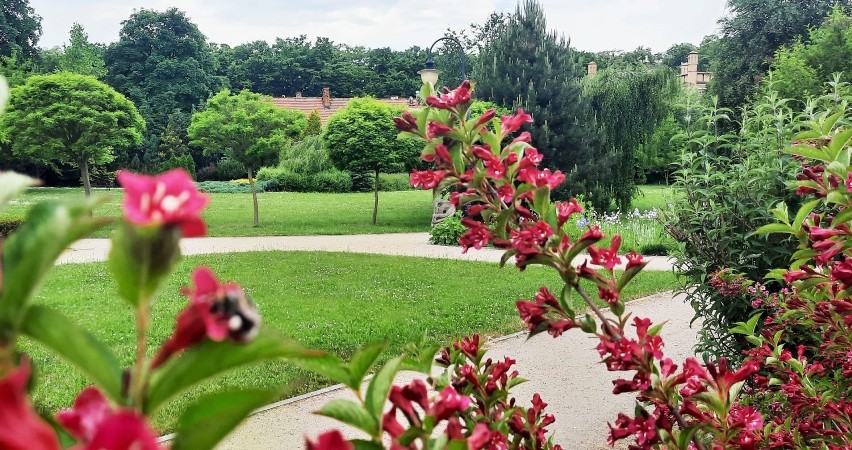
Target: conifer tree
{"type": "Point", "coordinates": [314, 127]}
{"type": "Point", "coordinates": [526, 66]}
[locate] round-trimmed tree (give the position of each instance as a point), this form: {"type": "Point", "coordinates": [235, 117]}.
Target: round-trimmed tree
{"type": "Point", "coordinates": [363, 138]}
{"type": "Point", "coordinates": [248, 128]}
{"type": "Point", "coordinates": [72, 119]}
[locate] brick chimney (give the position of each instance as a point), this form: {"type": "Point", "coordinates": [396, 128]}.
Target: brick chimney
{"type": "Point", "coordinates": [326, 98]}
{"type": "Point", "coordinates": [592, 68]}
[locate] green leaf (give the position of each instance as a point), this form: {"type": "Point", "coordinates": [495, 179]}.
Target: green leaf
{"type": "Point", "coordinates": [141, 258]}
{"type": "Point", "coordinates": [380, 385]}
{"type": "Point", "coordinates": [803, 212]}
{"type": "Point", "coordinates": [362, 361]}
{"type": "Point", "coordinates": [541, 200]}
{"type": "Point", "coordinates": [629, 274]}
{"type": "Point", "coordinates": [351, 413]}
{"type": "Point", "coordinates": [828, 125]}
{"type": "Point", "coordinates": [12, 184]}
{"type": "Point", "coordinates": [808, 152]}
{"type": "Point", "coordinates": [775, 228]}
{"type": "Point", "coordinates": [746, 328]}
{"type": "Point", "coordinates": [77, 346]}
{"type": "Point", "coordinates": [838, 143]}
{"type": "Point", "coordinates": [32, 250]}
{"type": "Point", "coordinates": [4, 93]}
{"type": "Point", "coordinates": [209, 359]}
{"type": "Point", "coordinates": [361, 444]}
{"type": "Point", "coordinates": [210, 419]}
{"type": "Point", "coordinates": [842, 217]}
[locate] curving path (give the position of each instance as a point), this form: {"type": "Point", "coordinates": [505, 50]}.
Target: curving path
{"type": "Point", "coordinates": [565, 371]}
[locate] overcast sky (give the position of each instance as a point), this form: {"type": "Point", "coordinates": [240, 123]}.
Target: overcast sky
{"type": "Point", "coordinates": [591, 25]}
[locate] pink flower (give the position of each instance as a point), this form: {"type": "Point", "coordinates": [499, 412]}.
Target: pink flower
{"type": "Point", "coordinates": [515, 122]}
{"type": "Point", "coordinates": [406, 123]}
{"type": "Point", "coordinates": [216, 311]}
{"type": "Point", "coordinates": [450, 100]}
{"type": "Point", "coordinates": [606, 257]}
{"type": "Point", "coordinates": [20, 427]}
{"type": "Point", "coordinates": [330, 440]}
{"type": "Point", "coordinates": [427, 179]}
{"type": "Point", "coordinates": [485, 118]}
{"type": "Point", "coordinates": [506, 193]}
{"type": "Point", "coordinates": [448, 403]}
{"type": "Point", "coordinates": [849, 182]}
{"type": "Point", "coordinates": [97, 425]}
{"type": "Point", "coordinates": [436, 129]}
{"type": "Point", "coordinates": [633, 260]}
{"type": "Point", "coordinates": [540, 178]}
{"type": "Point", "coordinates": [530, 239]}
{"type": "Point", "coordinates": [564, 210]}
{"type": "Point", "coordinates": [167, 199]}
{"type": "Point", "coordinates": [476, 236]}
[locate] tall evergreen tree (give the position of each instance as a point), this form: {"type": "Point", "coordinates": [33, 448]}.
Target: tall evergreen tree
{"type": "Point", "coordinates": [526, 66]}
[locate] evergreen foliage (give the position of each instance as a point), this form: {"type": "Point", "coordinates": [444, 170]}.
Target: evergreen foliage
{"type": "Point", "coordinates": [20, 29]}
{"type": "Point", "coordinates": [529, 67]}
{"type": "Point", "coordinates": [314, 127]}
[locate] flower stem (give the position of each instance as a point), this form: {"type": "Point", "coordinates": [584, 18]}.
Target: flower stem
{"type": "Point", "coordinates": [682, 423]}
{"type": "Point", "coordinates": [137, 382]}
{"type": "Point", "coordinates": [609, 329]}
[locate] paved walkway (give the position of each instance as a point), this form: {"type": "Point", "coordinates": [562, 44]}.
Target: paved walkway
{"type": "Point", "coordinates": [401, 244]}
{"type": "Point", "coordinates": [565, 371]}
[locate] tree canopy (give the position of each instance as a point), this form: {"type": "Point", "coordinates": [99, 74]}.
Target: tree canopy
{"type": "Point", "coordinates": [751, 34]}
{"type": "Point", "coordinates": [363, 138]}
{"type": "Point", "coordinates": [20, 29]}
{"type": "Point", "coordinates": [248, 128]}
{"type": "Point", "coordinates": [72, 119]}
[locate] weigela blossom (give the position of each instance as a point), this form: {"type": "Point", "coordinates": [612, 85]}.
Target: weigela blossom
{"type": "Point", "coordinates": [540, 178]}
{"type": "Point", "coordinates": [564, 210]}
{"type": "Point", "coordinates": [406, 123]}
{"type": "Point", "coordinates": [476, 236]}
{"type": "Point", "coordinates": [450, 100]}
{"type": "Point", "coordinates": [167, 199]}
{"type": "Point", "coordinates": [448, 403]}
{"type": "Point", "coordinates": [20, 427]}
{"type": "Point", "coordinates": [97, 425]}
{"type": "Point", "coordinates": [330, 440]}
{"type": "Point", "coordinates": [513, 123]}
{"type": "Point", "coordinates": [217, 311]}
{"type": "Point", "coordinates": [436, 129]}
{"type": "Point", "coordinates": [441, 155]}
{"type": "Point", "coordinates": [427, 179]}
{"type": "Point", "coordinates": [606, 257]}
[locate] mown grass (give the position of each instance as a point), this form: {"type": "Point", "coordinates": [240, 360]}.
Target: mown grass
{"type": "Point", "coordinates": [332, 301]}
{"type": "Point", "coordinates": [654, 196]}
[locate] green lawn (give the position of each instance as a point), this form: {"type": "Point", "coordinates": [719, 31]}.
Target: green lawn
{"type": "Point", "coordinates": [332, 301]}
{"type": "Point", "coordinates": [281, 213]}
{"type": "Point", "coordinates": [653, 196]}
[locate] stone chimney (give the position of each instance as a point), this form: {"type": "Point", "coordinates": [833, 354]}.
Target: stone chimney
{"type": "Point", "coordinates": [298, 94]}
{"type": "Point", "coordinates": [592, 68]}
{"type": "Point", "coordinates": [326, 98]}
{"type": "Point", "coordinates": [692, 68]}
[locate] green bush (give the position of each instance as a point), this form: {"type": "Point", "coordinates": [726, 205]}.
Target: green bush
{"type": "Point", "coordinates": [227, 187]}
{"type": "Point", "coordinates": [728, 183]}
{"type": "Point", "coordinates": [9, 225]}
{"type": "Point", "coordinates": [184, 161]}
{"type": "Point", "coordinates": [230, 169]}
{"type": "Point", "coordinates": [306, 157]}
{"type": "Point", "coordinates": [287, 181]}
{"type": "Point", "coordinates": [448, 231]}
{"type": "Point", "coordinates": [395, 182]}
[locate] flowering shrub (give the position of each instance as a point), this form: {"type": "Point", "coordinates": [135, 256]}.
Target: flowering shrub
{"type": "Point", "coordinates": [774, 400]}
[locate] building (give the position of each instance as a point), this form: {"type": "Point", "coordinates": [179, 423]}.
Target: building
{"type": "Point", "coordinates": [326, 105]}
{"type": "Point", "coordinates": [689, 73]}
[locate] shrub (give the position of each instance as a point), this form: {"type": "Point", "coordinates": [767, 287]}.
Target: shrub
{"type": "Point", "coordinates": [330, 181]}
{"type": "Point", "coordinates": [207, 173]}
{"type": "Point", "coordinates": [306, 157]}
{"type": "Point", "coordinates": [285, 180]}
{"type": "Point", "coordinates": [395, 182]}
{"type": "Point", "coordinates": [448, 231]}
{"type": "Point", "coordinates": [184, 161]}
{"type": "Point", "coordinates": [727, 181]}
{"type": "Point", "coordinates": [228, 187]}
{"type": "Point", "coordinates": [229, 169]}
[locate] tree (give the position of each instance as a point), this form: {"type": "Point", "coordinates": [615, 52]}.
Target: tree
{"type": "Point", "coordinates": [528, 67]}
{"type": "Point", "coordinates": [802, 69]}
{"type": "Point", "coordinates": [248, 128]}
{"type": "Point", "coordinates": [314, 127]}
{"type": "Point", "coordinates": [629, 105]}
{"type": "Point", "coordinates": [81, 56]}
{"type": "Point", "coordinates": [72, 119]}
{"type": "Point", "coordinates": [163, 63]}
{"type": "Point", "coordinates": [677, 53]}
{"type": "Point", "coordinates": [751, 34]}
{"type": "Point", "coordinates": [362, 137]}
{"type": "Point", "coordinates": [20, 29]}
{"type": "Point", "coordinates": [173, 150]}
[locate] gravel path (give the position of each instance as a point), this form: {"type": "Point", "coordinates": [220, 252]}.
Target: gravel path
{"type": "Point", "coordinates": [565, 371]}
{"type": "Point", "coordinates": [400, 244]}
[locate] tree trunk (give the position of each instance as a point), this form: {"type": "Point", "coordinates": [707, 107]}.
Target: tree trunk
{"type": "Point", "coordinates": [84, 172]}
{"type": "Point", "coordinates": [376, 199]}
{"type": "Point", "coordinates": [254, 198]}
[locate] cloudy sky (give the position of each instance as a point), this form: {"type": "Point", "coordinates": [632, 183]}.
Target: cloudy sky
{"type": "Point", "coordinates": [592, 25]}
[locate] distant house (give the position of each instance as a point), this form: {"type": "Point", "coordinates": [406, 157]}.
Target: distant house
{"type": "Point", "coordinates": [689, 73]}
{"type": "Point", "coordinates": [326, 105]}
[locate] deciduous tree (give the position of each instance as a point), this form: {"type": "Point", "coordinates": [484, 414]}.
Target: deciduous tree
{"type": "Point", "coordinates": [72, 119]}
{"type": "Point", "coordinates": [20, 29]}
{"type": "Point", "coordinates": [248, 128]}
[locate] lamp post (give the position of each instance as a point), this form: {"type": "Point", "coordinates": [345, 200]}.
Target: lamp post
{"type": "Point", "coordinates": [429, 74]}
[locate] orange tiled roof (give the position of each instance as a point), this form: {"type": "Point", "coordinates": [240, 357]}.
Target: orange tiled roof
{"type": "Point", "coordinates": [308, 104]}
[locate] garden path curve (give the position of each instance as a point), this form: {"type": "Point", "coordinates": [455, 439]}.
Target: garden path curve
{"type": "Point", "coordinates": [565, 371]}
{"type": "Point", "coordinates": [399, 244]}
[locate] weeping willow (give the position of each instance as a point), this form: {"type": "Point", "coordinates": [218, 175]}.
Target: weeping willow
{"type": "Point", "coordinates": [628, 105]}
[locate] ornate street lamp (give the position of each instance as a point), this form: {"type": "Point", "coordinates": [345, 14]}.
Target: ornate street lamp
{"type": "Point", "coordinates": [429, 74]}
